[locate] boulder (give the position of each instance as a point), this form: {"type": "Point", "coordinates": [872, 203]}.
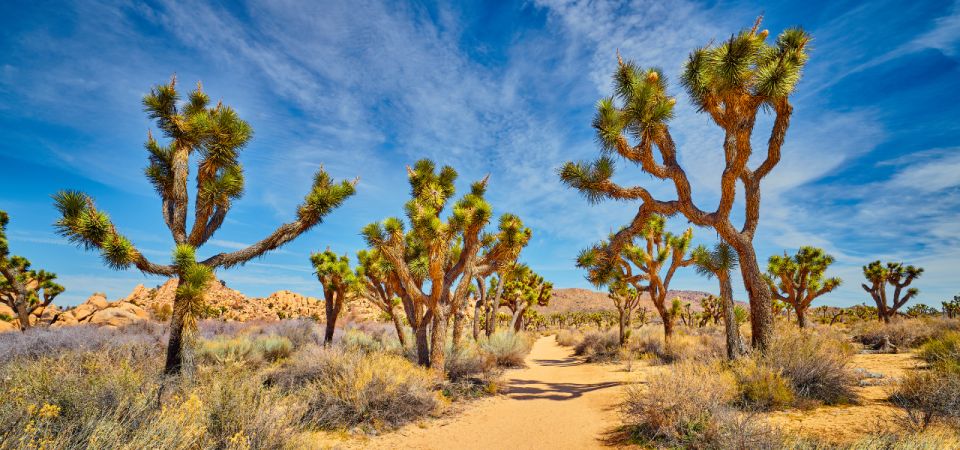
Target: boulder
{"type": "Point", "coordinates": [132, 309]}
{"type": "Point", "coordinates": [114, 318]}
{"type": "Point", "coordinates": [99, 301]}
{"type": "Point", "coordinates": [7, 311]}
{"type": "Point", "coordinates": [84, 311]}
{"type": "Point", "coordinates": [7, 326]}
{"type": "Point", "coordinates": [65, 319]}
{"type": "Point", "coordinates": [140, 296]}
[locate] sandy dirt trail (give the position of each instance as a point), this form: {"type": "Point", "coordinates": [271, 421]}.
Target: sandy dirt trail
{"type": "Point", "coordinates": [557, 402]}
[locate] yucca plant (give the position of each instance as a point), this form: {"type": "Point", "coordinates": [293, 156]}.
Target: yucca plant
{"type": "Point", "coordinates": [653, 259]}
{"type": "Point", "coordinates": [24, 290]}
{"type": "Point", "coordinates": [215, 135]}
{"type": "Point", "coordinates": [897, 276]}
{"type": "Point", "coordinates": [798, 280]}
{"type": "Point", "coordinates": [732, 81]}
{"type": "Point", "coordinates": [379, 286]}
{"type": "Point", "coordinates": [435, 261]}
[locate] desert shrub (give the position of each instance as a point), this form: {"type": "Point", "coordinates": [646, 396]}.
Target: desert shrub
{"type": "Point", "coordinates": [468, 362]}
{"type": "Point", "coordinates": [369, 342]}
{"type": "Point", "coordinates": [599, 346]}
{"type": "Point", "coordinates": [243, 350]}
{"type": "Point", "coordinates": [135, 339]}
{"type": "Point", "coordinates": [762, 387]}
{"type": "Point", "coordinates": [927, 440]}
{"type": "Point", "coordinates": [507, 348]}
{"type": "Point", "coordinates": [679, 405]}
{"type": "Point", "coordinates": [815, 362]}
{"type": "Point", "coordinates": [300, 332]}
{"type": "Point", "coordinates": [569, 337]}
{"type": "Point", "coordinates": [943, 353]}
{"type": "Point", "coordinates": [703, 345]}
{"type": "Point", "coordinates": [903, 333]}
{"type": "Point", "coordinates": [345, 389]}
{"type": "Point", "coordinates": [928, 396]}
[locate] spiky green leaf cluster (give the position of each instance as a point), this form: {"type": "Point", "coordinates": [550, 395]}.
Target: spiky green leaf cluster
{"type": "Point", "coordinates": [721, 259]}
{"type": "Point", "coordinates": [334, 271]}
{"type": "Point", "coordinates": [586, 176]}
{"type": "Point", "coordinates": [82, 224]}
{"type": "Point", "coordinates": [746, 65]}
{"type": "Point", "coordinates": [325, 196]}
{"type": "Point", "coordinates": [525, 287]}
{"type": "Point", "coordinates": [807, 268]}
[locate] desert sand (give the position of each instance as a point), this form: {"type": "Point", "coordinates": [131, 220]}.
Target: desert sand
{"type": "Point", "coordinates": [556, 402]}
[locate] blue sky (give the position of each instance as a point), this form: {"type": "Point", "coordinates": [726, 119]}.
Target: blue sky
{"type": "Point", "coordinates": [871, 168]}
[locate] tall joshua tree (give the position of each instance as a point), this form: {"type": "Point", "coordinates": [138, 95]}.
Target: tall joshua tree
{"type": "Point", "coordinates": [24, 290]}
{"type": "Point", "coordinates": [719, 262]}
{"type": "Point", "coordinates": [799, 279]}
{"type": "Point", "coordinates": [896, 275]}
{"type": "Point", "coordinates": [656, 259]}
{"type": "Point", "coordinates": [731, 81]}
{"type": "Point", "coordinates": [338, 281]}
{"type": "Point", "coordinates": [379, 286]}
{"type": "Point", "coordinates": [215, 135]}
{"type": "Point", "coordinates": [436, 260]}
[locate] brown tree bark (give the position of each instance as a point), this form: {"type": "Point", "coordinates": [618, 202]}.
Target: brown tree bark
{"type": "Point", "coordinates": [175, 343]}
{"type": "Point", "coordinates": [401, 336]}
{"type": "Point", "coordinates": [735, 347]}
{"type": "Point", "coordinates": [761, 300]}
{"type": "Point", "coordinates": [438, 338]}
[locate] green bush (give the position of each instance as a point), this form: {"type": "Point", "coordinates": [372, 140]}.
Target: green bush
{"type": "Point", "coordinates": [243, 350]}
{"type": "Point", "coordinates": [761, 387]}
{"type": "Point", "coordinates": [943, 353]}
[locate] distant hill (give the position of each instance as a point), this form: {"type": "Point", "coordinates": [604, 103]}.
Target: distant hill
{"type": "Point", "coordinates": [576, 299]}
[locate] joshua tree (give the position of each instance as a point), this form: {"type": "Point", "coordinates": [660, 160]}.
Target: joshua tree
{"type": "Point", "coordinates": [951, 308]}
{"type": "Point", "coordinates": [799, 279]}
{"type": "Point", "coordinates": [379, 286]}
{"type": "Point", "coordinates": [731, 81]}
{"type": "Point", "coordinates": [660, 251]}
{"type": "Point", "coordinates": [719, 262]}
{"type": "Point", "coordinates": [896, 275]}
{"type": "Point", "coordinates": [216, 135]}
{"type": "Point", "coordinates": [436, 260]}
{"type": "Point", "coordinates": [25, 291]}
{"type": "Point", "coordinates": [525, 289]}
{"type": "Point", "coordinates": [338, 281]}
{"type": "Point", "coordinates": [626, 298]}
{"type": "Point", "coordinates": [922, 310]}
{"type": "Point", "coordinates": [712, 310]}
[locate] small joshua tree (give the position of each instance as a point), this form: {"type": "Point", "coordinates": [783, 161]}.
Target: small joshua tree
{"type": "Point", "coordinates": [626, 299]}
{"type": "Point", "coordinates": [712, 310]}
{"type": "Point", "coordinates": [379, 286]}
{"type": "Point", "coordinates": [524, 290]}
{"type": "Point", "coordinates": [338, 281]}
{"type": "Point", "coordinates": [436, 260]}
{"type": "Point", "coordinates": [654, 260]}
{"type": "Point", "coordinates": [732, 81]}
{"type": "Point", "coordinates": [896, 275]}
{"type": "Point", "coordinates": [951, 308]}
{"type": "Point", "coordinates": [719, 262]}
{"type": "Point", "coordinates": [25, 291]}
{"type": "Point", "coordinates": [799, 279]}
{"type": "Point", "coordinates": [216, 135]}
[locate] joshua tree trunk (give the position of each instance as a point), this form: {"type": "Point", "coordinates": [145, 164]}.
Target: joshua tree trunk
{"type": "Point", "coordinates": [23, 314]}
{"type": "Point", "coordinates": [624, 324]}
{"type": "Point", "coordinates": [331, 322]}
{"type": "Point", "coordinates": [761, 301]}
{"type": "Point", "coordinates": [801, 317]}
{"type": "Point", "coordinates": [494, 307]}
{"type": "Point", "coordinates": [457, 327]}
{"type": "Point", "coordinates": [401, 336]}
{"type": "Point", "coordinates": [438, 337]}
{"type": "Point", "coordinates": [176, 341]}
{"type": "Point", "coordinates": [423, 343]}
{"type": "Point", "coordinates": [667, 329]}
{"type": "Point", "coordinates": [517, 322]}
{"type": "Point", "coordinates": [477, 312]}
{"type": "Point", "coordinates": [735, 346]}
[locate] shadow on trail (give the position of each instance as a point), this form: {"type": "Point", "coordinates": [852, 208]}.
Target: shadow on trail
{"type": "Point", "coordinates": [564, 362]}
{"type": "Point", "coordinates": [538, 390]}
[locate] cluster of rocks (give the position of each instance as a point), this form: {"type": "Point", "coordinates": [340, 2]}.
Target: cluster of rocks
{"type": "Point", "coordinates": [220, 302]}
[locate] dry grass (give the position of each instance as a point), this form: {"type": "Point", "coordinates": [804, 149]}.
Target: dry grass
{"type": "Point", "coordinates": [903, 333]}
{"type": "Point", "coordinates": [599, 346]}
{"type": "Point", "coordinates": [569, 337]}
{"type": "Point", "coordinates": [507, 348]}
{"type": "Point", "coordinates": [815, 361]}
{"type": "Point", "coordinates": [761, 387]}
